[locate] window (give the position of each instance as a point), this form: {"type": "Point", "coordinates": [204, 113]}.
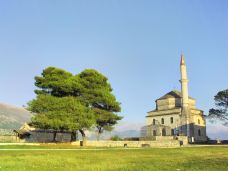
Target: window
{"type": "Point", "coordinates": [171, 120]}
{"type": "Point", "coordinates": [154, 133]}
{"type": "Point", "coordinates": [198, 121]}
{"type": "Point", "coordinates": [172, 132]}
{"type": "Point", "coordinates": [163, 132]}
{"type": "Point", "coordinates": [162, 121]}
{"type": "Point", "coordinates": [199, 132]}
{"type": "Point", "coordinates": [153, 121]}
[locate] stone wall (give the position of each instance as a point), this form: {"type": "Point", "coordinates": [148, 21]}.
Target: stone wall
{"type": "Point", "coordinates": [8, 139]}
{"type": "Point", "coordinates": [133, 144]}
{"type": "Point", "coordinates": [47, 136]}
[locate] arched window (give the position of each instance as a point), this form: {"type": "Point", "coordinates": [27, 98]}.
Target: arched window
{"type": "Point", "coordinates": [153, 121]}
{"type": "Point", "coordinates": [199, 132]}
{"type": "Point", "coordinates": [172, 132]}
{"type": "Point", "coordinates": [154, 133]}
{"type": "Point", "coordinates": [171, 120]}
{"type": "Point", "coordinates": [162, 121]}
{"type": "Point", "coordinates": [163, 132]}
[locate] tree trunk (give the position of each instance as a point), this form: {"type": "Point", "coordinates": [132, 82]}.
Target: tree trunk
{"type": "Point", "coordinates": [99, 132]}
{"type": "Point", "coordinates": [54, 136]}
{"type": "Point", "coordinates": [73, 136]}
{"type": "Point", "coordinates": [83, 136]}
{"type": "Point", "coordinates": [98, 136]}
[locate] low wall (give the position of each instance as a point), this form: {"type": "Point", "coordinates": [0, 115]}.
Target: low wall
{"type": "Point", "coordinates": [47, 136]}
{"type": "Point", "coordinates": [8, 139]}
{"type": "Point", "coordinates": [171, 143]}
{"type": "Point", "coordinates": [184, 139]}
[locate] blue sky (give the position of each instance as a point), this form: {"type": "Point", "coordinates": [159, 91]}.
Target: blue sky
{"type": "Point", "coordinates": [135, 43]}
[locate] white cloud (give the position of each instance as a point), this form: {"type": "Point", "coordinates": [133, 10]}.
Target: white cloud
{"type": "Point", "coordinates": [217, 131]}
{"type": "Point", "coordinates": [125, 126]}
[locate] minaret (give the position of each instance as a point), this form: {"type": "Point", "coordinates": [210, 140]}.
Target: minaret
{"type": "Point", "coordinates": [184, 82]}
{"type": "Point", "coordinates": [184, 91]}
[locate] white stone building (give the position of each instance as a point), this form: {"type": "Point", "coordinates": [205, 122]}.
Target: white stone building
{"type": "Point", "coordinates": [176, 114]}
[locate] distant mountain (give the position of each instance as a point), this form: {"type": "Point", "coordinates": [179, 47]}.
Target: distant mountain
{"type": "Point", "coordinates": [217, 131]}
{"type": "Point", "coordinates": [107, 135]}
{"type": "Point", "coordinates": [127, 133]}
{"type": "Point", "coordinates": [12, 117]}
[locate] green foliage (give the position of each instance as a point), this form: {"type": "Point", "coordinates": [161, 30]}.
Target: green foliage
{"type": "Point", "coordinates": [65, 113]}
{"type": "Point", "coordinates": [105, 119]}
{"type": "Point", "coordinates": [57, 82]}
{"type": "Point", "coordinates": [221, 111]}
{"type": "Point", "coordinates": [116, 138]}
{"type": "Point", "coordinates": [97, 94]}
{"type": "Point", "coordinates": [74, 102]}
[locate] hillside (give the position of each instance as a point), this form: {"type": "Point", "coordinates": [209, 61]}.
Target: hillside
{"type": "Point", "coordinates": [107, 135]}
{"type": "Point", "coordinates": [12, 117]}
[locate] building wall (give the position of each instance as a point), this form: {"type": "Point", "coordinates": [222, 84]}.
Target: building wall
{"type": "Point", "coordinates": [160, 129]}
{"type": "Point", "coordinates": [167, 121]}
{"type": "Point", "coordinates": [199, 128]}
{"type": "Point", "coordinates": [202, 136]}
{"type": "Point", "coordinates": [199, 120]}
{"type": "Point", "coordinates": [197, 124]}
{"type": "Point", "coordinates": [192, 104]}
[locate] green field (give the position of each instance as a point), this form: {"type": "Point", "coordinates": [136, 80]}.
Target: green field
{"type": "Point", "coordinates": [30, 158]}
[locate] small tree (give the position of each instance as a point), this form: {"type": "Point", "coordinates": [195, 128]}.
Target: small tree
{"type": "Point", "coordinates": [221, 111]}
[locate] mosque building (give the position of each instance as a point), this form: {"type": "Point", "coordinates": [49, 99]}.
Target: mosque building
{"type": "Point", "coordinates": [176, 114]}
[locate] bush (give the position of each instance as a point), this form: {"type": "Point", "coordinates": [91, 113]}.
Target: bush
{"type": "Point", "coordinates": [116, 138]}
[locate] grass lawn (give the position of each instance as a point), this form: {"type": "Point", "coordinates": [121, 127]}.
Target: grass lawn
{"type": "Point", "coordinates": [195, 158]}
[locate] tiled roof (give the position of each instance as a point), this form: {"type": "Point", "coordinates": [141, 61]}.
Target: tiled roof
{"type": "Point", "coordinates": [172, 94]}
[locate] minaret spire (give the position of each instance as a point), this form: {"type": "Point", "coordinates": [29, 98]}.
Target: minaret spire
{"type": "Point", "coordinates": [184, 92]}
{"type": "Point", "coordinates": [182, 59]}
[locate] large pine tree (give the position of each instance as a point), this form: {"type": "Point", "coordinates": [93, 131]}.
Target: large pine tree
{"type": "Point", "coordinates": [74, 102]}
